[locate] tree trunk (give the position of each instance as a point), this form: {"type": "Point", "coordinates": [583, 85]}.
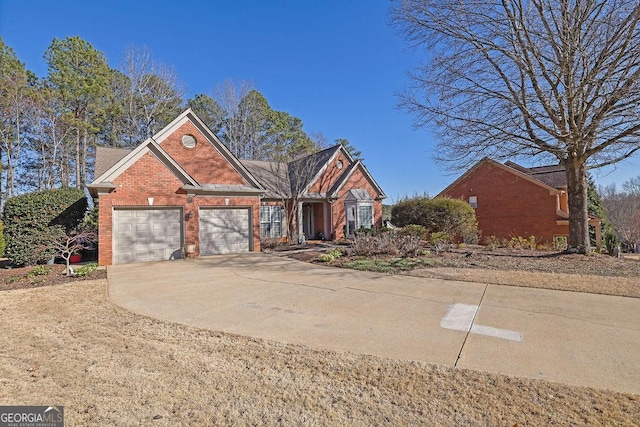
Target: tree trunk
{"type": "Point", "coordinates": [578, 240]}
{"type": "Point", "coordinates": [77, 154]}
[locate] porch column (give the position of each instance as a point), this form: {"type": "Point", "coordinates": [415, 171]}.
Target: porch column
{"type": "Point", "coordinates": [597, 226]}
{"type": "Point", "coordinates": [299, 219]}
{"type": "Point", "coordinates": [325, 216]}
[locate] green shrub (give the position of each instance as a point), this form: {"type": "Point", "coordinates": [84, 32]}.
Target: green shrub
{"type": "Point", "coordinates": [419, 231]}
{"type": "Point", "coordinates": [3, 243]}
{"type": "Point", "coordinates": [32, 219]}
{"type": "Point", "coordinates": [442, 214]}
{"type": "Point", "coordinates": [90, 221]}
{"type": "Point", "coordinates": [331, 255]}
{"type": "Point", "coordinates": [85, 270]}
{"type": "Point", "coordinates": [39, 270]}
{"type": "Point", "coordinates": [611, 241]}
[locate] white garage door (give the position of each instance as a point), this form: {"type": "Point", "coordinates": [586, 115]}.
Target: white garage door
{"type": "Point", "coordinates": [146, 235]}
{"type": "Point", "coordinates": [224, 230]}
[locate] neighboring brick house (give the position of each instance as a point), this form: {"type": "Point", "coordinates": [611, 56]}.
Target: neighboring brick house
{"type": "Point", "coordinates": [511, 200]}
{"type": "Point", "coordinates": [183, 189]}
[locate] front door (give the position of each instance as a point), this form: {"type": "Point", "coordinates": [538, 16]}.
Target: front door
{"type": "Point", "coordinates": [307, 221]}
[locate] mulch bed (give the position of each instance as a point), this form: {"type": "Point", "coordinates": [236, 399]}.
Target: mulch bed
{"type": "Point", "coordinates": [31, 277]}
{"type": "Point", "coordinates": [516, 260]}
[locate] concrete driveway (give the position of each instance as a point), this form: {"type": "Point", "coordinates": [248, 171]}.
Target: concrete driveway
{"type": "Point", "coordinates": [568, 337]}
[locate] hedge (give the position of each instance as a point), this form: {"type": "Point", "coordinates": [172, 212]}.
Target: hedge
{"type": "Point", "coordinates": [453, 217]}
{"type": "Point", "coordinates": [30, 219]}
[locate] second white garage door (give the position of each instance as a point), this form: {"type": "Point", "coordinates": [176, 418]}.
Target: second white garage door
{"type": "Point", "coordinates": [224, 230]}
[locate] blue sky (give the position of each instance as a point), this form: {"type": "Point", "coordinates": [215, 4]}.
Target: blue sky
{"type": "Point", "coordinates": [337, 65]}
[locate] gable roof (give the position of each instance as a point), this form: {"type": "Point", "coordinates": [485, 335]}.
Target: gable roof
{"type": "Point", "coordinates": [318, 162]}
{"type": "Point", "coordinates": [342, 180]}
{"type": "Point", "coordinates": [517, 170]}
{"type": "Point", "coordinates": [105, 180]}
{"type": "Point", "coordinates": [189, 115]}
{"type": "Point", "coordinates": [553, 175]}
{"type": "Point", "coordinates": [273, 176]}
{"type": "Point", "coordinates": [277, 179]}
{"type": "Point", "coordinates": [107, 157]}
{"type": "Point", "coordinates": [110, 163]}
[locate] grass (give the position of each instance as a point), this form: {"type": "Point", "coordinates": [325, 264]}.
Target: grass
{"type": "Point", "coordinates": [69, 345]}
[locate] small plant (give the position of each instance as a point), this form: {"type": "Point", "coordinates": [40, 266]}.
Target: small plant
{"type": "Point", "coordinates": [492, 242]}
{"type": "Point", "coordinates": [331, 255]}
{"type": "Point", "coordinates": [440, 241]}
{"type": "Point", "coordinates": [86, 270]}
{"type": "Point", "coordinates": [560, 243]}
{"type": "Point", "coordinates": [39, 270]}
{"type": "Point", "coordinates": [520, 242]}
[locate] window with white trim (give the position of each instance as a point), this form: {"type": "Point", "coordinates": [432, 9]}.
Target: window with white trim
{"type": "Point", "coordinates": [365, 216]}
{"type": "Point", "coordinates": [358, 215]}
{"type": "Point", "coordinates": [270, 221]}
{"type": "Point", "coordinates": [473, 201]}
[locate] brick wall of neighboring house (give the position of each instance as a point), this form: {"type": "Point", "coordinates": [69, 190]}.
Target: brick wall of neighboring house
{"type": "Point", "coordinates": [149, 177]}
{"type": "Point", "coordinates": [356, 181]}
{"type": "Point", "coordinates": [203, 162]}
{"type": "Point", "coordinates": [331, 173]}
{"type": "Point", "coordinates": [509, 205]}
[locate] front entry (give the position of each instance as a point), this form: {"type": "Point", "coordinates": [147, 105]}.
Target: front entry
{"type": "Point", "coordinates": [307, 221]}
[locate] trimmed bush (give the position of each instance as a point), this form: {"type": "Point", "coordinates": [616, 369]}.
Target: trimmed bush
{"type": "Point", "coordinates": [32, 219]}
{"type": "Point", "coordinates": [453, 217]}
{"type": "Point", "coordinates": [3, 243]}
{"type": "Point", "coordinates": [611, 242]}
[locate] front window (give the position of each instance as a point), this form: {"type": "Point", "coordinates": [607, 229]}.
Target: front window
{"type": "Point", "coordinates": [365, 216]}
{"type": "Point", "coordinates": [270, 221]}
{"type": "Point", "coordinates": [358, 215]}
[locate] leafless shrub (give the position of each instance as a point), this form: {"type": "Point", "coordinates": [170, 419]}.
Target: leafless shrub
{"type": "Point", "coordinates": [364, 245]}
{"type": "Point", "coordinates": [388, 243]}
{"type": "Point", "coordinates": [408, 244]}
{"type": "Point", "coordinates": [268, 243]}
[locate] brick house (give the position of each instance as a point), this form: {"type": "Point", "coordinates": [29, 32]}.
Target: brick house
{"type": "Point", "coordinates": [511, 200]}
{"type": "Point", "coordinates": [183, 189]}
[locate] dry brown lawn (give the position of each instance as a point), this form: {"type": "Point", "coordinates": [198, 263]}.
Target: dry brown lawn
{"type": "Point", "coordinates": [68, 345]}
{"type": "Point", "coordinates": [596, 273]}
{"type": "Point", "coordinates": [621, 286]}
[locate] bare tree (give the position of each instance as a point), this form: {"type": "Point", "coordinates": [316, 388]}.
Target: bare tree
{"type": "Point", "coordinates": [292, 190]}
{"type": "Point", "coordinates": [240, 123]}
{"type": "Point", "coordinates": [539, 78]}
{"type": "Point", "coordinates": [154, 96]}
{"type": "Point", "coordinates": [623, 211]}
{"type": "Point", "coordinates": [65, 245]}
